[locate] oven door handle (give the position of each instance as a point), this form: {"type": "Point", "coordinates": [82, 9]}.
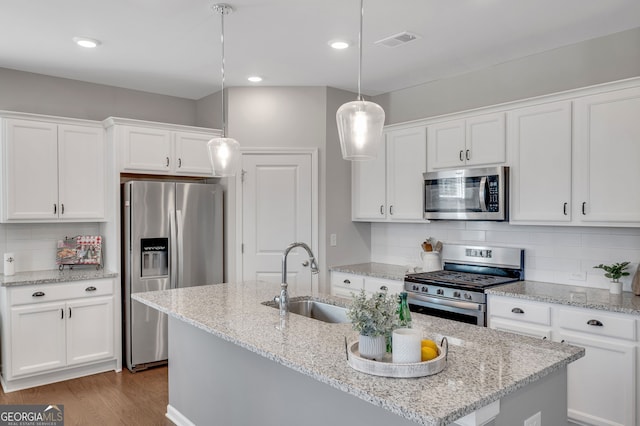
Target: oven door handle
{"type": "Point", "coordinates": [469, 306]}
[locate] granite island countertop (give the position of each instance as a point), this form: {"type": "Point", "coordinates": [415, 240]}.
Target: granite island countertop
{"type": "Point", "coordinates": [54, 276]}
{"type": "Point", "coordinates": [582, 297]}
{"type": "Point", "coordinates": [483, 366]}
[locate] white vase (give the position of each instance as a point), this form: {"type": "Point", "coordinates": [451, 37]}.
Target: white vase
{"type": "Point", "coordinates": [615, 287]}
{"type": "Point", "coordinates": [372, 347]}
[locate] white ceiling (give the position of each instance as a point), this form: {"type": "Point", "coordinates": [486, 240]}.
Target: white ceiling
{"type": "Point", "coordinates": [173, 46]}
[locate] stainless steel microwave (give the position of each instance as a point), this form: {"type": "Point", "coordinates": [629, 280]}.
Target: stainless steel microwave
{"type": "Point", "coordinates": [468, 194]}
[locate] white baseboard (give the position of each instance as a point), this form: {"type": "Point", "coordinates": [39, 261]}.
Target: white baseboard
{"type": "Point", "coordinates": [176, 417]}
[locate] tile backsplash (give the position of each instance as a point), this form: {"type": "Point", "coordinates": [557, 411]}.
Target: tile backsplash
{"type": "Point", "coordinates": [34, 245]}
{"type": "Point", "coordinates": [564, 255]}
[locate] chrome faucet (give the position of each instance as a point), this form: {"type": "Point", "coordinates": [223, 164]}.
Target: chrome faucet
{"type": "Point", "coordinates": [283, 299]}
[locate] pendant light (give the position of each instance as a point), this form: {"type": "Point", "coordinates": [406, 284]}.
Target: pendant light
{"type": "Point", "coordinates": [360, 122]}
{"type": "Point", "coordinates": [224, 152]}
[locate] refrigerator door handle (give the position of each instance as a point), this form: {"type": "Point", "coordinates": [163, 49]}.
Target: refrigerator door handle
{"type": "Point", "coordinates": [173, 251]}
{"type": "Point", "coordinates": [180, 244]}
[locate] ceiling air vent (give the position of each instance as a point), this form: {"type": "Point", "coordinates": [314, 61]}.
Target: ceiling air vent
{"type": "Point", "coordinates": [398, 39]}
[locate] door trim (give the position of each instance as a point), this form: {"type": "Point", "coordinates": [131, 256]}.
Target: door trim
{"type": "Point", "coordinates": [313, 152]}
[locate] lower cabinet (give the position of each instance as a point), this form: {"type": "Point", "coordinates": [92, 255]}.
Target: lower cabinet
{"type": "Point", "coordinates": [345, 285]}
{"type": "Point", "coordinates": [602, 386]}
{"type": "Point", "coordinates": [54, 328]}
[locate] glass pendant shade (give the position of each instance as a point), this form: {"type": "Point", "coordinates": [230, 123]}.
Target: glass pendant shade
{"type": "Point", "coordinates": [224, 155]}
{"type": "Point", "coordinates": [360, 129]}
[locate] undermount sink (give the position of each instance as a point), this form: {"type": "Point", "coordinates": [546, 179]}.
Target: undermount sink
{"type": "Point", "coordinates": [316, 309]}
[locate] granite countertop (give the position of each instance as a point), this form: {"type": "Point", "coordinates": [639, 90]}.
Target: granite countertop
{"type": "Point", "coordinates": [582, 297]}
{"type": "Point", "coordinates": [373, 269]}
{"type": "Point", "coordinates": [54, 276]}
{"type": "Point", "coordinates": [483, 366]}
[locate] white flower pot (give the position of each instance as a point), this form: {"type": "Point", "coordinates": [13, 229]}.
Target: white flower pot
{"type": "Point", "coordinates": [372, 347]}
{"type": "Point", "coordinates": [615, 287]}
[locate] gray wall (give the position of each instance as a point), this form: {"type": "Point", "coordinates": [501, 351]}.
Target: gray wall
{"type": "Point", "coordinates": [595, 61]}
{"type": "Point", "coordinates": [41, 94]}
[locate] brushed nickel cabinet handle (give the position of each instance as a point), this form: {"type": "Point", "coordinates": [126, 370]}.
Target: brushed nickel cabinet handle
{"type": "Point", "coordinates": [460, 155]}
{"type": "Point", "coordinates": [564, 209]}
{"type": "Point", "coordinates": [381, 209]}
{"type": "Point", "coordinates": [517, 311]}
{"type": "Point", "coordinates": [55, 208]}
{"type": "Point", "coordinates": [69, 312]}
{"type": "Point", "coordinates": [583, 208]}
{"type": "Point", "coordinates": [391, 209]}
{"type": "Point", "coordinates": [595, 323]}
{"type": "Point", "coordinates": [179, 162]}
{"type": "Point", "coordinates": [468, 155]}
{"type": "Point", "coordinates": [90, 288]}
{"type": "Point", "coordinates": [61, 313]}
{"type": "Point", "coordinates": [347, 282]}
{"type": "Point", "coordinates": [61, 208]}
{"type": "Point", "coordinates": [384, 288]}
{"type": "Point", "coordinates": [167, 161]}
{"type": "Point", "coordinates": [38, 294]}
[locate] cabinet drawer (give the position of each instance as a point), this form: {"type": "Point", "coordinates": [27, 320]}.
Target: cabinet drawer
{"type": "Point", "coordinates": [350, 282]}
{"type": "Point", "coordinates": [374, 285]}
{"type": "Point", "coordinates": [596, 322]}
{"type": "Point", "coordinates": [53, 292]}
{"type": "Point", "coordinates": [520, 310]}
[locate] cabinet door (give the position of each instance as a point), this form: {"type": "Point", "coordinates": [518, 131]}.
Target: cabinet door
{"type": "Point", "coordinates": [81, 160]}
{"type": "Point", "coordinates": [374, 285]}
{"type": "Point", "coordinates": [368, 188]}
{"type": "Point", "coordinates": [601, 385]}
{"type": "Point", "coordinates": [607, 149]}
{"type": "Point", "coordinates": [518, 328]}
{"type": "Point", "coordinates": [146, 150]}
{"type": "Point", "coordinates": [30, 177]}
{"type": "Point", "coordinates": [37, 338]}
{"type": "Point", "coordinates": [406, 163]}
{"type": "Point", "coordinates": [540, 139]}
{"type": "Point", "coordinates": [192, 154]}
{"type": "Point", "coordinates": [485, 140]}
{"type": "Point", "coordinates": [90, 330]}
{"type": "Point", "coordinates": [446, 144]}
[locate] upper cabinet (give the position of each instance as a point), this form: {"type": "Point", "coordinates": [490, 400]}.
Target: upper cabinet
{"type": "Point", "coordinates": [159, 148]}
{"type": "Point", "coordinates": [52, 171]}
{"type": "Point", "coordinates": [474, 141]}
{"type": "Point", "coordinates": [540, 142]}
{"type": "Point", "coordinates": [389, 187]}
{"type": "Point", "coordinates": [606, 158]}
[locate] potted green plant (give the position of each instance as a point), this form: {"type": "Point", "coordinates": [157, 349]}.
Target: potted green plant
{"type": "Point", "coordinates": [614, 271]}
{"type": "Point", "coordinates": [373, 318]}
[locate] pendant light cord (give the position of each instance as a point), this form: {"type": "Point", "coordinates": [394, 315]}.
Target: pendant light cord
{"type": "Point", "coordinates": [223, 9]}
{"type": "Point", "coordinates": [360, 49]}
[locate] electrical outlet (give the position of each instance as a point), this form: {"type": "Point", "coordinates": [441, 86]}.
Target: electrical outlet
{"type": "Point", "coordinates": [578, 276]}
{"type": "Point", "coordinates": [333, 240]}
{"type": "Point", "coordinates": [534, 420]}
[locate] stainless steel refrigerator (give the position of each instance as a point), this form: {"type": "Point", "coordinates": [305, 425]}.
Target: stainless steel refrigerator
{"type": "Point", "coordinates": [172, 238]}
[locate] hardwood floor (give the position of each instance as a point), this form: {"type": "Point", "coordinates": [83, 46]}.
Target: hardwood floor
{"type": "Point", "coordinates": [109, 398]}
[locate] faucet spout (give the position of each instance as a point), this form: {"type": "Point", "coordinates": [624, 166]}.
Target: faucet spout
{"type": "Point", "coordinates": [283, 299]}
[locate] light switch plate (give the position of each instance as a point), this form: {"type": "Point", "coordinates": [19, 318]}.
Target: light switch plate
{"type": "Point", "coordinates": [333, 240]}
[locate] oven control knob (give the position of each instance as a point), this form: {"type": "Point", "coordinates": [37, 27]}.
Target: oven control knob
{"type": "Point", "coordinates": [467, 296]}
{"type": "Point", "coordinates": [440, 291]}
{"type": "Point", "coordinates": [416, 288]}
{"type": "Point", "coordinates": [456, 294]}
{"type": "Point", "coordinates": [425, 289]}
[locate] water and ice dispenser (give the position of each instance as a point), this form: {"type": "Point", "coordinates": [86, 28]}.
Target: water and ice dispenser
{"type": "Point", "coordinates": [155, 257]}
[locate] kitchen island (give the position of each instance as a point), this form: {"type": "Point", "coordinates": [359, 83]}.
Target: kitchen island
{"type": "Point", "coordinates": [233, 361]}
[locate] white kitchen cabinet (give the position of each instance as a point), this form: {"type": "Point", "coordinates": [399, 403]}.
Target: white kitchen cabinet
{"type": "Point", "coordinates": [602, 385]}
{"type": "Point", "coordinates": [52, 171]}
{"type": "Point", "coordinates": [160, 148]}
{"type": "Point", "coordinates": [345, 285]}
{"type": "Point", "coordinates": [474, 141]}
{"type": "Point", "coordinates": [540, 141]}
{"type": "Point", "coordinates": [606, 153]}
{"type": "Point", "coordinates": [375, 285]}
{"type": "Point", "coordinates": [55, 331]}
{"type": "Point", "coordinates": [389, 188]}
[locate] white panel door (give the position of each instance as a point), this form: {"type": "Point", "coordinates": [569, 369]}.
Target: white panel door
{"type": "Point", "coordinates": [146, 150]}
{"type": "Point", "coordinates": [90, 330]}
{"type": "Point", "coordinates": [485, 140]}
{"type": "Point", "coordinates": [368, 188]}
{"type": "Point", "coordinates": [540, 137]}
{"type": "Point", "coordinates": [192, 155]}
{"type": "Point", "coordinates": [30, 163]}
{"type": "Point", "coordinates": [82, 160]}
{"type": "Point", "coordinates": [607, 149]}
{"type": "Point", "coordinates": [447, 145]}
{"type": "Point", "coordinates": [276, 211]}
{"type": "Point", "coordinates": [406, 163]}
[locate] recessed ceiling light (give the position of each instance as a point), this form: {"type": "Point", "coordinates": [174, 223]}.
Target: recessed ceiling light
{"type": "Point", "coordinates": [255, 79]}
{"type": "Point", "coordinates": [338, 44]}
{"type": "Point", "coordinates": [89, 43]}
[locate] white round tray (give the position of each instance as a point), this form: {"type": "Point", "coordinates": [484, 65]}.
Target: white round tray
{"type": "Point", "coordinates": [386, 368]}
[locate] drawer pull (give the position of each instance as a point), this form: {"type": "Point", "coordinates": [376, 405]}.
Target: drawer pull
{"type": "Point", "coordinates": [69, 312]}
{"type": "Point", "coordinates": [517, 311]}
{"type": "Point", "coordinates": [595, 323]}
{"type": "Point", "coordinates": [38, 294]}
{"type": "Point", "coordinates": [90, 288]}
{"type": "Point", "coordinates": [544, 337]}
{"type": "Point", "coordinates": [61, 313]}
{"type": "Point", "coordinates": [347, 282]}
{"type": "Point", "coordinates": [383, 288]}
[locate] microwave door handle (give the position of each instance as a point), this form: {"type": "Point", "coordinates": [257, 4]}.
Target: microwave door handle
{"type": "Point", "coordinates": [482, 194]}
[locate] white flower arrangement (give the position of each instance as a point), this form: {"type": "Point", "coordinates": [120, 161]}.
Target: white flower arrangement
{"type": "Point", "coordinates": [374, 316]}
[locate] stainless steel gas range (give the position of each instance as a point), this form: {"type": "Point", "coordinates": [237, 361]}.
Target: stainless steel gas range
{"type": "Point", "coordinates": [458, 291]}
